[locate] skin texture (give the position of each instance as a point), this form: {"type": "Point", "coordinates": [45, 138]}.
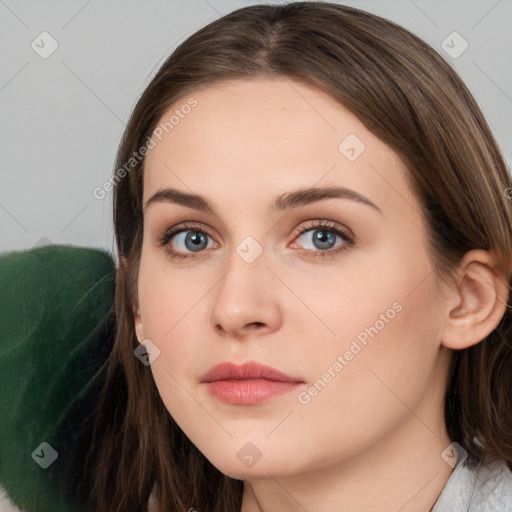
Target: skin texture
{"type": "Point", "coordinates": [374, 434]}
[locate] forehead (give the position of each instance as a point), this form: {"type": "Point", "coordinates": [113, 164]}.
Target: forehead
{"type": "Point", "coordinates": [256, 138]}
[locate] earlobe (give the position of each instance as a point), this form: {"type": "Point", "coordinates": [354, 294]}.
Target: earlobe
{"type": "Point", "coordinates": [477, 303]}
{"type": "Point", "coordinates": [139, 328]}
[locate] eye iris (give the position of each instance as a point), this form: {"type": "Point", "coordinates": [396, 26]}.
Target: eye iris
{"type": "Point", "coordinates": [322, 235]}
{"type": "Point", "coordinates": [196, 238]}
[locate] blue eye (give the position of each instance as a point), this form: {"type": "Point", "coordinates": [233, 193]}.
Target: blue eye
{"type": "Point", "coordinates": [323, 238]}
{"type": "Point", "coordinates": [194, 242]}
{"type": "Point", "coordinates": [195, 239]}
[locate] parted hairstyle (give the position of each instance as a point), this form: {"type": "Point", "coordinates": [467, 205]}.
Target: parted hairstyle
{"type": "Point", "coordinates": [406, 94]}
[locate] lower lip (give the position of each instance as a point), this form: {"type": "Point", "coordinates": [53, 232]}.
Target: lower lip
{"type": "Point", "coordinates": [248, 392]}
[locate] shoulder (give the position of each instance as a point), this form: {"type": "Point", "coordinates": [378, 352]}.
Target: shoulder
{"type": "Point", "coordinates": [493, 486]}
{"type": "Point", "coordinates": [6, 505]}
{"type": "Point", "coordinates": [473, 487]}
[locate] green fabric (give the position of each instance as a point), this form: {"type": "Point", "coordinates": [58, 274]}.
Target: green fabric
{"type": "Point", "coordinates": [56, 332]}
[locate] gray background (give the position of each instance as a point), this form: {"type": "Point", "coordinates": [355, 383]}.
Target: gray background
{"type": "Point", "coordinates": [63, 116]}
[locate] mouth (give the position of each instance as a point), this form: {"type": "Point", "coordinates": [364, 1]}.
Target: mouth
{"type": "Point", "coordinates": [249, 384]}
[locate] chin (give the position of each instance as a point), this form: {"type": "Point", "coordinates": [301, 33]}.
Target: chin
{"type": "Point", "coordinates": [248, 463]}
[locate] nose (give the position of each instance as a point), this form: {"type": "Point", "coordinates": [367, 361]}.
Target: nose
{"type": "Point", "coordinates": [246, 300]}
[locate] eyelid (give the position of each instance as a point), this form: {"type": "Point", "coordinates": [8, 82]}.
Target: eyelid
{"type": "Point", "coordinates": [167, 234]}
{"type": "Point", "coordinates": [328, 225]}
{"type": "Point", "coordinates": [338, 229]}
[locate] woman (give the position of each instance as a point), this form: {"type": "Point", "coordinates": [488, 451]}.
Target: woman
{"type": "Point", "coordinates": [314, 276]}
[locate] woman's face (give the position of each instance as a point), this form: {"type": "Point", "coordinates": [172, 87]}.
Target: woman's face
{"type": "Point", "coordinates": [349, 309]}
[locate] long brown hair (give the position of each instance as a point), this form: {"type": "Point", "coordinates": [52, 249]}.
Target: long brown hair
{"type": "Point", "coordinates": [409, 97]}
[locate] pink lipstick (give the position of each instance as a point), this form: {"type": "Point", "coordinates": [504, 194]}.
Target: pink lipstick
{"type": "Point", "coordinates": [249, 384]}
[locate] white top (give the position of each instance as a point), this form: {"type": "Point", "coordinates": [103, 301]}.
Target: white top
{"type": "Point", "coordinates": [477, 489]}
{"type": "Point", "coordinates": [6, 504]}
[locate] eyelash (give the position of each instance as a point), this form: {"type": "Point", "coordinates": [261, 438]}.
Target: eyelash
{"type": "Point", "coordinates": [323, 225]}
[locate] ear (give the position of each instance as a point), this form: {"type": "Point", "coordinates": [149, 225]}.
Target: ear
{"type": "Point", "coordinates": [476, 303]}
{"type": "Point", "coordinates": [139, 328]}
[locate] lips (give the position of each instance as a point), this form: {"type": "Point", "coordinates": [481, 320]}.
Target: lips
{"type": "Point", "coordinates": [249, 384]}
{"type": "Point", "coordinates": [247, 371]}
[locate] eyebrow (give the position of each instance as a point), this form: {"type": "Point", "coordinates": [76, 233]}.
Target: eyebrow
{"type": "Point", "coordinates": [286, 201]}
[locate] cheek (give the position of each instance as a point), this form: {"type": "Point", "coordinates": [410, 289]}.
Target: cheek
{"type": "Point", "coordinates": [166, 306]}
{"type": "Point", "coordinates": [373, 389]}
{"type": "Point", "coordinates": [379, 362]}
{"type": "Point", "coordinates": [167, 297]}
{"type": "Point", "coordinates": [174, 320]}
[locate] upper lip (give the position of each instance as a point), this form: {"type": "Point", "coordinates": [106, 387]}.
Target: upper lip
{"type": "Point", "coordinates": [250, 370]}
